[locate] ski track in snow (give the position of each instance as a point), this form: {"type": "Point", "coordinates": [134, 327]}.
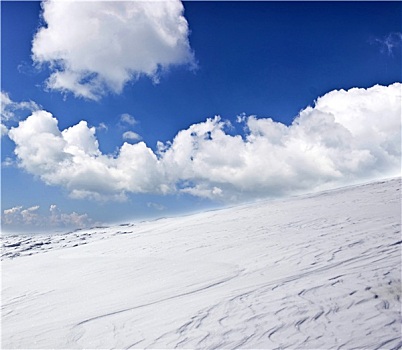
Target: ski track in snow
{"type": "Point", "coordinates": [321, 271]}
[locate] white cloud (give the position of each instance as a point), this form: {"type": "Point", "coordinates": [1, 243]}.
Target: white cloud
{"type": "Point", "coordinates": [57, 218]}
{"type": "Point", "coordinates": [72, 159]}
{"type": "Point", "coordinates": [93, 47]}
{"type": "Point", "coordinates": [203, 190]}
{"type": "Point", "coordinates": [18, 216]}
{"type": "Point", "coordinates": [12, 210]}
{"type": "Point", "coordinates": [348, 136]}
{"type": "Point", "coordinates": [9, 107]}
{"type": "Point", "coordinates": [128, 119]}
{"type": "Point", "coordinates": [131, 135]}
{"type": "Point", "coordinates": [3, 130]}
{"type": "Point", "coordinates": [40, 145]}
{"type": "Point", "coordinates": [11, 215]}
{"type": "Point", "coordinates": [29, 216]}
{"type": "Point", "coordinates": [5, 103]}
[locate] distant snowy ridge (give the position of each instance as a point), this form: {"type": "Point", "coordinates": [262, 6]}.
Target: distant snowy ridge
{"type": "Point", "coordinates": [321, 271]}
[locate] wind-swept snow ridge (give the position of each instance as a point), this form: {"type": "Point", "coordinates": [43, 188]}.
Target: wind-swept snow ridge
{"type": "Point", "coordinates": [321, 271]}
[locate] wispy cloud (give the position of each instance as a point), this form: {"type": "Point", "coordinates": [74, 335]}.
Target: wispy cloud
{"type": "Point", "coordinates": [346, 136]}
{"type": "Point", "coordinates": [126, 118]}
{"type": "Point", "coordinates": [389, 43]}
{"type": "Point", "coordinates": [10, 107]}
{"type": "Point", "coordinates": [3, 130]}
{"type": "Point", "coordinates": [123, 40]}
{"type": "Point", "coordinates": [8, 162]}
{"type": "Point", "coordinates": [11, 111]}
{"type": "Point", "coordinates": [102, 127]}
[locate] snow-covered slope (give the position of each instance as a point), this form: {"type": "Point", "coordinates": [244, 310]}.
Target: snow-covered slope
{"type": "Point", "coordinates": [321, 271]}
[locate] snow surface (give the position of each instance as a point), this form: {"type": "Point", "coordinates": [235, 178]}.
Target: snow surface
{"type": "Point", "coordinates": [321, 271]}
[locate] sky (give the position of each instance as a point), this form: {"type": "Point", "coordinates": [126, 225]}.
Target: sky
{"type": "Point", "coordinates": [123, 111]}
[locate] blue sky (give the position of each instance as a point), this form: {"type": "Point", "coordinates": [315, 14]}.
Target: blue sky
{"type": "Point", "coordinates": [243, 61]}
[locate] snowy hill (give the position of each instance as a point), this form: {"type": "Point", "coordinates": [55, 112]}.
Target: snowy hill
{"type": "Point", "coordinates": [321, 271]}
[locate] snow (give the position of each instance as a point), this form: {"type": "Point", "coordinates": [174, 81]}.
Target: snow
{"type": "Point", "coordinates": [319, 271]}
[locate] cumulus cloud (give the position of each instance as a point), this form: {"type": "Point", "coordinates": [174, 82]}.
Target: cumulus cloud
{"type": "Point", "coordinates": [58, 218]}
{"type": "Point", "coordinates": [347, 136]}
{"type": "Point", "coordinates": [71, 158]}
{"type": "Point", "coordinates": [93, 47]}
{"type": "Point", "coordinates": [131, 135]}
{"type": "Point", "coordinates": [30, 216]}
{"type": "Point", "coordinates": [20, 215]}
{"type": "Point", "coordinates": [55, 218]}
{"type": "Point", "coordinates": [10, 215]}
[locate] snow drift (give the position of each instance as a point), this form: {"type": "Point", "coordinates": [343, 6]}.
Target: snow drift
{"type": "Point", "coordinates": [320, 271]}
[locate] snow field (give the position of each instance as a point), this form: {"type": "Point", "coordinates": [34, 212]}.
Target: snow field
{"type": "Point", "coordinates": [321, 271]}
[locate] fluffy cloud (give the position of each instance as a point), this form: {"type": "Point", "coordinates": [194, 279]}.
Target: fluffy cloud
{"type": "Point", "coordinates": [10, 215]}
{"type": "Point", "coordinates": [131, 135]}
{"type": "Point", "coordinates": [348, 136]}
{"type": "Point", "coordinates": [18, 215]}
{"type": "Point", "coordinates": [71, 158]}
{"type": "Point", "coordinates": [30, 216]}
{"type": "Point", "coordinates": [97, 46]}
{"type": "Point", "coordinates": [58, 218]}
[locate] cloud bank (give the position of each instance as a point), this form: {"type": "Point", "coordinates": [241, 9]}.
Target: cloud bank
{"type": "Point", "coordinates": [55, 218]}
{"type": "Point", "coordinates": [93, 47]}
{"type": "Point", "coordinates": [348, 136]}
